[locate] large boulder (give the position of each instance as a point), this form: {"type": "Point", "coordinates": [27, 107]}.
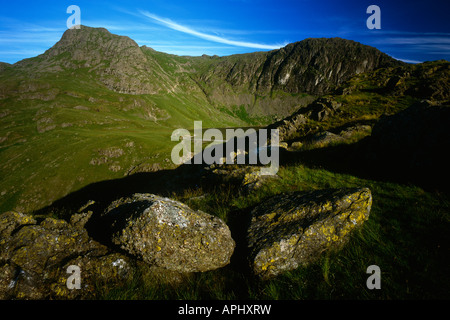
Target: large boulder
{"type": "Point", "coordinates": [168, 234]}
{"type": "Point", "coordinates": [35, 257]}
{"type": "Point", "coordinates": [293, 229]}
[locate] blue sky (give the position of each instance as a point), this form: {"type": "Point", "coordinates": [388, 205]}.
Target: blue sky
{"type": "Point", "coordinates": [413, 31]}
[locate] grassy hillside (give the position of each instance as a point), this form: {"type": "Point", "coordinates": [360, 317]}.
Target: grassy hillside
{"type": "Point", "coordinates": [55, 138]}
{"type": "Point", "coordinates": [96, 106]}
{"type": "Point", "coordinates": [55, 129]}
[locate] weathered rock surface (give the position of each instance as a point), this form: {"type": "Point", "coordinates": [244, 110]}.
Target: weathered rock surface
{"type": "Point", "coordinates": [319, 110]}
{"type": "Point", "coordinates": [169, 234]}
{"type": "Point", "coordinates": [292, 230]}
{"type": "Point", "coordinates": [347, 135]}
{"type": "Point", "coordinates": [249, 178]}
{"type": "Point", "coordinates": [34, 257]}
{"type": "Point", "coordinates": [325, 138]}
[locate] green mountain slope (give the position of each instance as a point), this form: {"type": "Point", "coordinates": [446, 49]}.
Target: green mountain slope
{"type": "Point", "coordinates": [97, 106]}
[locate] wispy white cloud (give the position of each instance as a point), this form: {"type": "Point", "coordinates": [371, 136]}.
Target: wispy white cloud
{"type": "Point", "coordinates": [214, 38]}
{"type": "Point", "coordinates": [412, 33]}
{"type": "Point", "coordinates": [408, 60]}
{"type": "Point", "coordinates": [121, 26]}
{"type": "Point", "coordinates": [411, 43]}
{"type": "Point", "coordinates": [417, 40]}
{"type": "Point", "coordinates": [29, 38]}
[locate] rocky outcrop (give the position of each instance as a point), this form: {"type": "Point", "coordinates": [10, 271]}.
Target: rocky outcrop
{"type": "Point", "coordinates": [3, 66]}
{"type": "Point", "coordinates": [323, 139]}
{"type": "Point", "coordinates": [311, 66]}
{"type": "Point", "coordinates": [118, 61]}
{"type": "Point", "coordinates": [292, 230]}
{"type": "Point", "coordinates": [166, 239]}
{"type": "Point", "coordinates": [168, 234]}
{"type": "Point", "coordinates": [35, 257]}
{"type": "Point", "coordinates": [428, 80]}
{"type": "Point", "coordinates": [319, 110]}
{"type": "Point", "coordinates": [248, 178]}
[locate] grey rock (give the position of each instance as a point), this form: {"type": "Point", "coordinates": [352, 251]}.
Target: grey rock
{"type": "Point", "coordinates": [168, 234]}
{"type": "Point", "coordinates": [34, 257]}
{"type": "Point", "coordinates": [294, 229]}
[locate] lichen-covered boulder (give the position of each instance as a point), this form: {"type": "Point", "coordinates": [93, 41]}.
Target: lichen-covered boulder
{"type": "Point", "coordinates": [35, 255]}
{"type": "Point", "coordinates": [168, 234]}
{"type": "Point", "coordinates": [293, 229]}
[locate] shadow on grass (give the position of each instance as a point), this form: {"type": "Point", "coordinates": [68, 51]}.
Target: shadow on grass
{"type": "Point", "coordinates": [163, 183]}
{"type": "Point", "coordinates": [360, 160]}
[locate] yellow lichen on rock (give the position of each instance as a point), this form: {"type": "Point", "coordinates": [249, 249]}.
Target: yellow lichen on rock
{"type": "Point", "coordinates": [297, 227]}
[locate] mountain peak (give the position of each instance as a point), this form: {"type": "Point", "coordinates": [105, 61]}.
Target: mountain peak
{"type": "Point", "coordinates": [117, 60]}
{"type": "Point", "coordinates": [89, 41]}
{"type": "Point", "coordinates": [313, 65]}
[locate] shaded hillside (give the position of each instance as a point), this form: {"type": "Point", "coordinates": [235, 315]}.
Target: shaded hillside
{"type": "Point", "coordinates": [389, 124]}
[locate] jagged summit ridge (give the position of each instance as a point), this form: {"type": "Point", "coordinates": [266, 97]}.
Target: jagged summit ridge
{"type": "Point", "coordinates": [312, 66]}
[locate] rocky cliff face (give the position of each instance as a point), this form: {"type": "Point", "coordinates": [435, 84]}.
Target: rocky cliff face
{"type": "Point", "coordinates": [312, 65]}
